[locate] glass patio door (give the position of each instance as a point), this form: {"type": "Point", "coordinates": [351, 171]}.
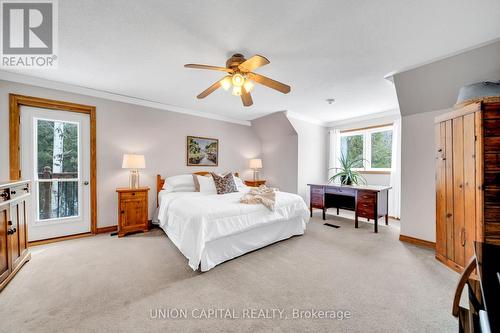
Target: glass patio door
{"type": "Point", "coordinates": [55, 156]}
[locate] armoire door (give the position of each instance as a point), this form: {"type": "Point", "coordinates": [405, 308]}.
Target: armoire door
{"type": "Point", "coordinates": [458, 192]}
{"type": "Point", "coordinates": [470, 221]}
{"type": "Point", "coordinates": [441, 189]}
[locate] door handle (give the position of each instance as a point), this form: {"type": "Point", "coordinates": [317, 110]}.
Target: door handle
{"type": "Point", "coordinates": [86, 182]}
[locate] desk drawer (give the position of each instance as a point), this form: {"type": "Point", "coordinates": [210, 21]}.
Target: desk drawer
{"type": "Point", "coordinates": [367, 197]}
{"type": "Point", "coordinates": [341, 191]}
{"type": "Point", "coordinates": [317, 200]}
{"type": "Point", "coordinates": [318, 190]}
{"type": "Point", "coordinates": [366, 210]}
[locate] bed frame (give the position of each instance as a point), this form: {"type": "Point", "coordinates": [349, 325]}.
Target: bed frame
{"type": "Point", "coordinates": [160, 181]}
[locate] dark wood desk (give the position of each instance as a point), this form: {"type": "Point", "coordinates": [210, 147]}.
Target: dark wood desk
{"type": "Point", "coordinates": [366, 201]}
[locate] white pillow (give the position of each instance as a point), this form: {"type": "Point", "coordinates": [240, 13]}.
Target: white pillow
{"type": "Point", "coordinates": [180, 183]}
{"type": "Point", "coordinates": [207, 185]}
{"type": "Point", "coordinates": [239, 183]}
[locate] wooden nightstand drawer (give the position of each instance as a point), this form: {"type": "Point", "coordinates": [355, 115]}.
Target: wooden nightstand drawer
{"type": "Point", "coordinates": [132, 210]}
{"type": "Point", "coordinates": [255, 183]}
{"type": "Point", "coordinates": [133, 195]}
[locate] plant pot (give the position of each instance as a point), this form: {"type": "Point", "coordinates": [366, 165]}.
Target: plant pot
{"type": "Point", "coordinates": [345, 180]}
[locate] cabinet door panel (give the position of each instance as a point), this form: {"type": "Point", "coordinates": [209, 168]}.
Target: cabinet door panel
{"type": "Point", "coordinates": [441, 188]}
{"type": "Point", "coordinates": [458, 190]}
{"type": "Point", "coordinates": [4, 259]}
{"type": "Point", "coordinates": [133, 212]}
{"type": "Point", "coordinates": [449, 190]}
{"type": "Point", "coordinates": [469, 185]}
{"type": "Point", "coordinates": [15, 253]}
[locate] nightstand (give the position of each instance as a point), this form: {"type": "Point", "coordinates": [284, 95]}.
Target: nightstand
{"type": "Point", "coordinates": [132, 210]}
{"type": "Point", "coordinates": [255, 183]}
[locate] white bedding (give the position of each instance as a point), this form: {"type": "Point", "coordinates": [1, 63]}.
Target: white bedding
{"type": "Point", "coordinates": [191, 219]}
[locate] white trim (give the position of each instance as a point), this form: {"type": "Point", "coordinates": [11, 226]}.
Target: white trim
{"type": "Point", "coordinates": [76, 89]}
{"type": "Point", "coordinates": [390, 76]}
{"type": "Point", "coordinates": [394, 113]}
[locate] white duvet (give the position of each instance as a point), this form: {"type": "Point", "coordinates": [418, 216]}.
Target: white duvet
{"type": "Point", "coordinates": [191, 219]}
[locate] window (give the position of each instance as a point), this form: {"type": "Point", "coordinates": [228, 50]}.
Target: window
{"type": "Point", "coordinates": [372, 147]}
{"type": "Point", "coordinates": [57, 168]}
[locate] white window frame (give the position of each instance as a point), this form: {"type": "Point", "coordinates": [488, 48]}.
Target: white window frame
{"type": "Point", "coordinates": [367, 145]}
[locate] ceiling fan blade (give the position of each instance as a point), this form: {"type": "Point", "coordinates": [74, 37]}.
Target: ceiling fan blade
{"type": "Point", "coordinates": [252, 63]}
{"type": "Point", "coordinates": [211, 89]}
{"type": "Point", "coordinates": [214, 68]}
{"type": "Point", "coordinates": [281, 87]}
{"type": "Point", "coordinates": [246, 98]}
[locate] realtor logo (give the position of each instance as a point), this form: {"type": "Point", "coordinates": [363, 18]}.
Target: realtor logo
{"type": "Point", "coordinates": [29, 34]}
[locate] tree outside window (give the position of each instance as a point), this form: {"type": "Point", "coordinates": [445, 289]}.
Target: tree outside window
{"type": "Point", "coordinates": [373, 145]}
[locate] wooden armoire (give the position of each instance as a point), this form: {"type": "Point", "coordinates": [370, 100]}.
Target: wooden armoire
{"type": "Point", "coordinates": [467, 181]}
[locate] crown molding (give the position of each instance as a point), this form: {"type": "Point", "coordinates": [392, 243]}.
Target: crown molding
{"type": "Point", "coordinates": [76, 89]}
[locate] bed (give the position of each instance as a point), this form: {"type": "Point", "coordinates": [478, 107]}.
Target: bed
{"type": "Point", "coordinates": [210, 229]}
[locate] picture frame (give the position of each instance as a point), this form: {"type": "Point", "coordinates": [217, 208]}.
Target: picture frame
{"type": "Point", "coordinates": [202, 151]}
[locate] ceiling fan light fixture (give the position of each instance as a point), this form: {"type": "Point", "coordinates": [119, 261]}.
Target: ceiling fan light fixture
{"type": "Point", "coordinates": [238, 80]}
{"type": "Point", "coordinates": [248, 85]}
{"type": "Point", "coordinates": [226, 83]}
{"type": "Point", "coordinates": [236, 91]}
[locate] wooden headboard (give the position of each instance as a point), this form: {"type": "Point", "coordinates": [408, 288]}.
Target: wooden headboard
{"type": "Point", "coordinates": [160, 181]}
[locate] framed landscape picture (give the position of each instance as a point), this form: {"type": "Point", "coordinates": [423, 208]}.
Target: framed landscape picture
{"type": "Point", "coordinates": [202, 151]}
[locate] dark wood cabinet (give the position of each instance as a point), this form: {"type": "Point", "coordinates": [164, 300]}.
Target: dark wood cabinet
{"type": "Point", "coordinates": [132, 210]}
{"type": "Point", "coordinates": [467, 181]}
{"type": "Point", "coordinates": [13, 229]}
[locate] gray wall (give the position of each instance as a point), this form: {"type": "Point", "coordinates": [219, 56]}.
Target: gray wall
{"type": "Point", "coordinates": [279, 150]}
{"type": "Point", "coordinates": [312, 155]}
{"type": "Point", "coordinates": [417, 176]}
{"type": "Point", "coordinates": [432, 87]}
{"type": "Point", "coordinates": [158, 134]}
{"type": "Point", "coordinates": [435, 86]}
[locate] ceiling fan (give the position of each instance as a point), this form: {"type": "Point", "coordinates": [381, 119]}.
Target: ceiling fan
{"type": "Point", "coordinates": [240, 77]}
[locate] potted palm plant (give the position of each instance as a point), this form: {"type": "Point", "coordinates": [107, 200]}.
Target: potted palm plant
{"type": "Point", "coordinates": [345, 173]}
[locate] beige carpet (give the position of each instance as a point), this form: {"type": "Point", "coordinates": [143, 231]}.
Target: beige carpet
{"type": "Point", "coordinates": [106, 284]}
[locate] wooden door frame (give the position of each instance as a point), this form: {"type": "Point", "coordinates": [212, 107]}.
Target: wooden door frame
{"type": "Point", "coordinates": [15, 103]}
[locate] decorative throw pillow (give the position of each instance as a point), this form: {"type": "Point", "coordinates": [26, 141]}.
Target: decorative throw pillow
{"type": "Point", "coordinates": [207, 184]}
{"type": "Point", "coordinates": [224, 184]}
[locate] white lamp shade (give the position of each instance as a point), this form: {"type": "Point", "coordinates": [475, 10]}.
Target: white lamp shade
{"type": "Point", "coordinates": [255, 163]}
{"type": "Point", "coordinates": [132, 161]}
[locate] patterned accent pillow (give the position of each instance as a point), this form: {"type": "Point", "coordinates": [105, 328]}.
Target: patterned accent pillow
{"type": "Point", "coordinates": [224, 184]}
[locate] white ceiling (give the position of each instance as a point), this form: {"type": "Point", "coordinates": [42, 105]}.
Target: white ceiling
{"type": "Point", "coordinates": [323, 49]}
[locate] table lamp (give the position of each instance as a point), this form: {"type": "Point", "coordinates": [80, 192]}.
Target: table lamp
{"type": "Point", "coordinates": [134, 163]}
{"type": "Point", "coordinates": [255, 164]}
